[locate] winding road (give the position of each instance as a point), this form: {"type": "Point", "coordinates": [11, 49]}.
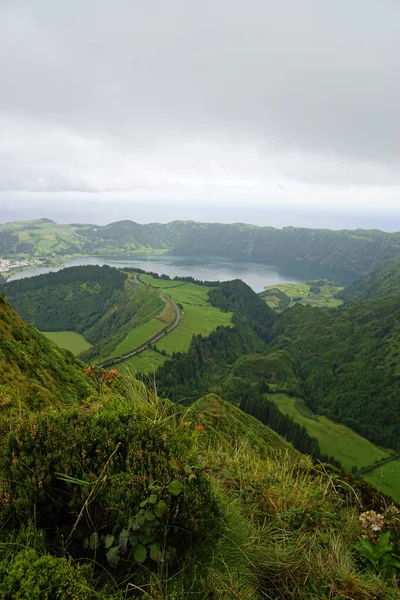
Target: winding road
{"type": "Point", "coordinates": [157, 336]}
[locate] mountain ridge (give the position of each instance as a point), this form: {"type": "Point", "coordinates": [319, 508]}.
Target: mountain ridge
{"type": "Point", "coordinates": [348, 250]}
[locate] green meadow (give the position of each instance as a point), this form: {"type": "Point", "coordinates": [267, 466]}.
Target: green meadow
{"type": "Point", "coordinates": [334, 439]}
{"type": "Point", "coordinates": [145, 362]}
{"type": "Point", "coordinates": [386, 478]}
{"type": "Point", "coordinates": [138, 336]}
{"type": "Point", "coordinates": [303, 293]}
{"type": "Point", "coordinates": [197, 317]}
{"type": "Point", "coordinates": [75, 342]}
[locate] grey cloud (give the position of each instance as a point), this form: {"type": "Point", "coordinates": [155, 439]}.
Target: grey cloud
{"type": "Point", "coordinates": [308, 77]}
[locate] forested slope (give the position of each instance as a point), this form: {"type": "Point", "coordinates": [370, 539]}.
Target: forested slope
{"type": "Point", "coordinates": [347, 361]}
{"type": "Point", "coordinates": [72, 299]}
{"type": "Point", "coordinates": [382, 280]}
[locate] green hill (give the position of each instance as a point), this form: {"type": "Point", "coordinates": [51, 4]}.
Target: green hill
{"type": "Point", "coordinates": [103, 304]}
{"type": "Point", "coordinates": [72, 299]}
{"type": "Point", "coordinates": [354, 251]}
{"type": "Point", "coordinates": [382, 280]}
{"type": "Point", "coordinates": [34, 373]}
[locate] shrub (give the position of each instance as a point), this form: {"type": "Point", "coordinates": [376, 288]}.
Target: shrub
{"type": "Point", "coordinates": [51, 465]}
{"type": "Point", "coordinates": [29, 576]}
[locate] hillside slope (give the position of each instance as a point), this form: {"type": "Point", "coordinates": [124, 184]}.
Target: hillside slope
{"type": "Point", "coordinates": [34, 372]}
{"type": "Point", "coordinates": [205, 503]}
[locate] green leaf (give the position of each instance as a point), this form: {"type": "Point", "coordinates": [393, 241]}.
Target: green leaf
{"type": "Point", "coordinates": [75, 480]}
{"type": "Point", "coordinates": [134, 540]}
{"type": "Point", "coordinates": [227, 473]}
{"type": "Point", "coordinates": [174, 464]}
{"type": "Point", "coordinates": [94, 541]}
{"type": "Point", "coordinates": [113, 557]}
{"type": "Point", "coordinates": [147, 537]}
{"type": "Point", "coordinates": [144, 503]}
{"type": "Point", "coordinates": [149, 516]}
{"type": "Point", "coordinates": [140, 554]}
{"type": "Point", "coordinates": [192, 476]}
{"type": "Point", "coordinates": [153, 499]}
{"type": "Point", "coordinates": [108, 541]}
{"type": "Point", "coordinates": [136, 522]}
{"type": "Point", "coordinates": [155, 553]}
{"type": "Point", "coordinates": [160, 509]}
{"type": "Point", "coordinates": [123, 540]}
{"type": "Point", "coordinates": [188, 469]}
{"type": "Point", "coordinates": [175, 487]}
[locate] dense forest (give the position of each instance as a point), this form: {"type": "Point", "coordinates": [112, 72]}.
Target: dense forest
{"type": "Point", "coordinates": [346, 250]}
{"type": "Point", "coordinates": [71, 299]}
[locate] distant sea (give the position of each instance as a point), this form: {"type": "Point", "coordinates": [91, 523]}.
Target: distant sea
{"type": "Point", "coordinates": [100, 212]}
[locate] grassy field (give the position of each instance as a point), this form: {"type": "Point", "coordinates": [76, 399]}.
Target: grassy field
{"type": "Point", "coordinates": [386, 478]}
{"type": "Point", "coordinates": [334, 439]}
{"type": "Point", "coordinates": [145, 362]}
{"type": "Point", "coordinates": [198, 316]}
{"type": "Point", "coordinates": [301, 293]}
{"type": "Point", "coordinates": [138, 336]}
{"type": "Point", "coordinates": [75, 342]}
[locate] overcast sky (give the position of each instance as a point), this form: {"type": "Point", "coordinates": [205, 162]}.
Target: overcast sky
{"type": "Point", "coordinates": [263, 103]}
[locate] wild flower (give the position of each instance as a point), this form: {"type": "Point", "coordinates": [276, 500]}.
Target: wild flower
{"type": "Point", "coordinates": [101, 376]}
{"type": "Point", "coordinates": [372, 523]}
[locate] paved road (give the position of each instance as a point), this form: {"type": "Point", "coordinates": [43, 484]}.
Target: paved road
{"type": "Point", "coordinates": [157, 336]}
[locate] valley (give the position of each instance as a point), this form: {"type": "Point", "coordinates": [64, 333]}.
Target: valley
{"type": "Point", "coordinates": [128, 330]}
{"type": "Point", "coordinates": [257, 413]}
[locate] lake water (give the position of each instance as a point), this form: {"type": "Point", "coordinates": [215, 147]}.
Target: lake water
{"type": "Point", "coordinates": [209, 268]}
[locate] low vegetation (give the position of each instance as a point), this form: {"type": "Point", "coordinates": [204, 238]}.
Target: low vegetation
{"type": "Point", "coordinates": [34, 372]}
{"type": "Point", "coordinates": [386, 477]}
{"type": "Point", "coordinates": [134, 497]}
